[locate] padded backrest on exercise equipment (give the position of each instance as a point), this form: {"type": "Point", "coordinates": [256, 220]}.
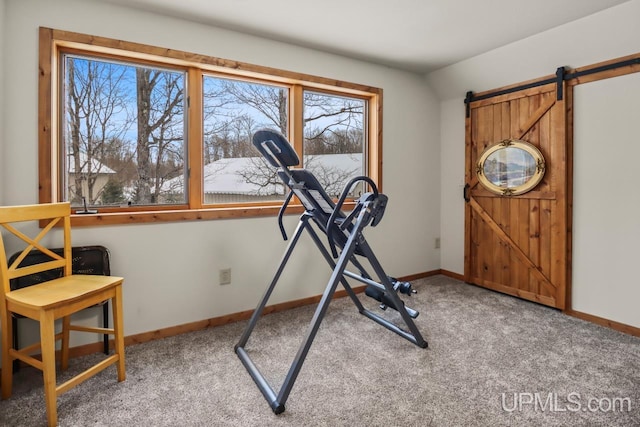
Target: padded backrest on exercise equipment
{"type": "Point", "coordinates": [309, 190]}
{"type": "Point", "coordinates": [278, 151]}
{"type": "Point", "coordinates": [316, 201]}
{"type": "Point", "coordinates": [273, 144]}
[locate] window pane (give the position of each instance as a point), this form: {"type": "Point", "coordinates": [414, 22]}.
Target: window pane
{"type": "Point", "coordinates": [234, 171]}
{"type": "Point", "coordinates": [124, 133]}
{"type": "Point", "coordinates": [334, 140]}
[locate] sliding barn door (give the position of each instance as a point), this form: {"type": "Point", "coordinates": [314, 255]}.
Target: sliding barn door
{"type": "Point", "coordinates": [517, 244]}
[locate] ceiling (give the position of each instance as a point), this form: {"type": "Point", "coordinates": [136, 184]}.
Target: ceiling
{"type": "Point", "coordinates": [415, 35]}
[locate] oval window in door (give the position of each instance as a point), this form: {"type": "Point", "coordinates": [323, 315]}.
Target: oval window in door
{"type": "Point", "coordinates": [510, 167]}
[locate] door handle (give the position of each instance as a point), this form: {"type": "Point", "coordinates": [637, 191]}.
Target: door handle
{"type": "Point", "coordinates": [465, 193]}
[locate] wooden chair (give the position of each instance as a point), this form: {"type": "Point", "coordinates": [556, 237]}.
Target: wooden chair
{"type": "Point", "coordinates": [54, 299]}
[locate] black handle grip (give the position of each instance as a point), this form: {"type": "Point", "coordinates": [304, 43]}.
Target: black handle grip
{"type": "Point", "coordinates": [331, 223]}
{"type": "Point", "coordinates": [465, 193]}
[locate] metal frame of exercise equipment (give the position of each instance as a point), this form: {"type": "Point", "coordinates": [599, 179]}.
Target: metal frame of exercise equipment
{"type": "Point", "coordinates": [345, 241]}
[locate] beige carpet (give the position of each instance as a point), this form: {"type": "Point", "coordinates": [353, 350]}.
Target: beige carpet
{"type": "Point", "coordinates": [488, 355]}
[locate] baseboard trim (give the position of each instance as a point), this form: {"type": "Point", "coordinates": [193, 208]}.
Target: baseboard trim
{"type": "Point", "coordinates": [620, 327]}
{"type": "Point", "coordinates": [86, 349]}
{"type": "Point", "coordinates": [612, 324]}
{"type": "Point", "coordinates": [143, 337]}
{"type": "Point", "coordinates": [451, 274]}
{"type": "Point", "coordinates": [229, 318]}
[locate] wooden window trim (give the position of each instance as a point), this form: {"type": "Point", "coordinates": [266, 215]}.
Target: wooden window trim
{"type": "Point", "coordinates": [52, 42]}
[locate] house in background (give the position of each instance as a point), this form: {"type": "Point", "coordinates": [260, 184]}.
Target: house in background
{"type": "Point", "coordinates": [93, 175]}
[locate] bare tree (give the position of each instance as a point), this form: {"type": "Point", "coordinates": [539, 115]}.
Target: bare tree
{"type": "Point", "coordinates": [264, 177]}
{"type": "Point", "coordinates": [120, 157]}
{"type": "Point", "coordinates": [216, 126]}
{"type": "Point", "coordinates": [326, 114]}
{"type": "Point", "coordinates": [96, 113]}
{"type": "Point", "coordinates": [269, 101]}
{"type": "Point", "coordinates": [159, 107]}
{"type": "Point", "coordinates": [331, 177]}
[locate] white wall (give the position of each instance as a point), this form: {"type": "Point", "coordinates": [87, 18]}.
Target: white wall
{"type": "Point", "coordinates": [452, 186]}
{"type": "Point", "coordinates": [606, 35]}
{"type": "Point", "coordinates": [606, 153]}
{"type": "Point", "coordinates": [171, 269]}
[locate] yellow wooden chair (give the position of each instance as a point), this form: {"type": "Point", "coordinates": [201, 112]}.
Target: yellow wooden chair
{"type": "Point", "coordinates": [51, 300]}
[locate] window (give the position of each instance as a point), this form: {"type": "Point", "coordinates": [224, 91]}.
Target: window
{"type": "Point", "coordinates": [142, 134]}
{"type": "Point", "coordinates": [233, 170]}
{"type": "Point", "coordinates": [334, 136]}
{"type": "Point", "coordinates": [123, 133]}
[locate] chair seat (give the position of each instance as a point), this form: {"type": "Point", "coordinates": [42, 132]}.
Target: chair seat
{"type": "Point", "coordinates": [61, 291]}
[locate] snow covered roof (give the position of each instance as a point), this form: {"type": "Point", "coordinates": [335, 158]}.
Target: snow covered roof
{"type": "Point", "coordinates": [96, 166]}
{"type": "Point", "coordinates": [241, 175]}
{"type": "Point", "coordinates": [229, 176]}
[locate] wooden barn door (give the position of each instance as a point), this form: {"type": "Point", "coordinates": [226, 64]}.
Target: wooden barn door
{"type": "Point", "coordinates": [518, 244]}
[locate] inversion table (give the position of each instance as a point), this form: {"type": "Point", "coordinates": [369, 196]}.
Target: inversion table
{"type": "Point", "coordinates": [345, 243]}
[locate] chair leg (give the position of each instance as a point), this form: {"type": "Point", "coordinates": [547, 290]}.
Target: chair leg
{"type": "Point", "coordinates": [48, 343]}
{"type": "Point", "coordinates": [118, 330]}
{"type": "Point", "coordinates": [6, 344]}
{"type": "Point", "coordinates": [105, 324]}
{"type": "Point", "coordinates": [16, 342]}
{"type": "Point", "coordinates": [64, 347]}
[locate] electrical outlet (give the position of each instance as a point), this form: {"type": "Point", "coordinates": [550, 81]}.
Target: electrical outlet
{"type": "Point", "coordinates": [225, 276]}
{"type": "Point", "coordinates": [437, 243]}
